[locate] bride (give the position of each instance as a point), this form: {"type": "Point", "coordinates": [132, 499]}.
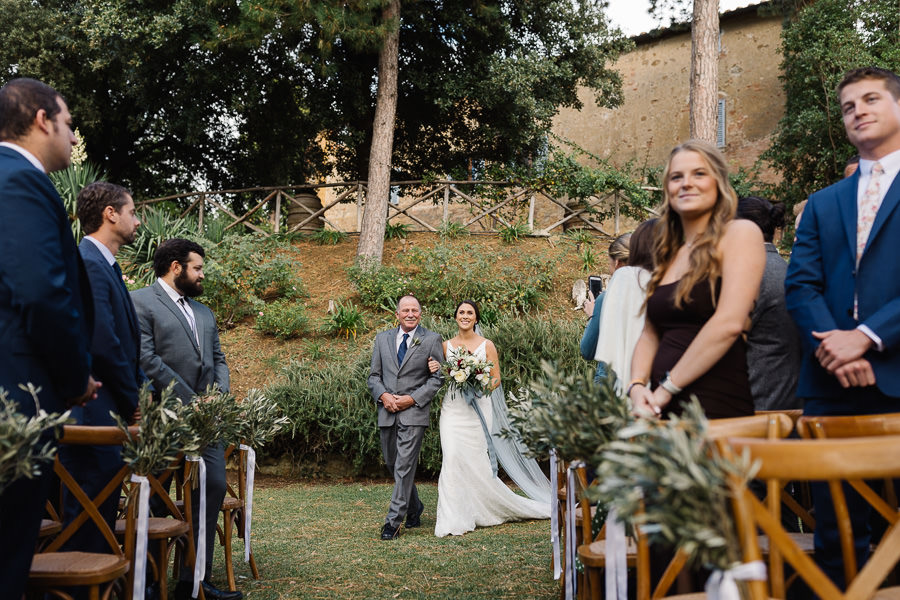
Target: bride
{"type": "Point", "coordinates": [469, 492]}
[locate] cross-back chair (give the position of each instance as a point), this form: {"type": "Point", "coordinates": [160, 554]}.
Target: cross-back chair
{"type": "Point", "coordinates": [833, 461]}
{"type": "Point", "coordinates": [234, 511]}
{"type": "Point", "coordinates": [52, 569]}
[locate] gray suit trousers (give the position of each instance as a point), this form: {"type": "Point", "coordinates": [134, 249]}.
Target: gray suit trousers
{"type": "Point", "coordinates": [400, 446]}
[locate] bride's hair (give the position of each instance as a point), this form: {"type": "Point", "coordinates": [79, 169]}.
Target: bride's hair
{"type": "Point", "coordinates": [473, 305]}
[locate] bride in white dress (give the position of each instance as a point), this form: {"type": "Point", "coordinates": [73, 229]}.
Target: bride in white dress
{"type": "Point", "coordinates": [470, 494]}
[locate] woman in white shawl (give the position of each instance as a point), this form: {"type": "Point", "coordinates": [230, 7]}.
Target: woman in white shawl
{"type": "Point", "coordinates": [621, 317]}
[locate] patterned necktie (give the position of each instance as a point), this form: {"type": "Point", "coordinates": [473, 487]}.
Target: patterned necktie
{"type": "Point", "coordinates": [868, 209]}
{"type": "Point", "coordinates": [401, 351]}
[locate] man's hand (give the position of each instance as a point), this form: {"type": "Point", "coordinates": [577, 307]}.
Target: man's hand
{"type": "Point", "coordinates": [856, 373]}
{"type": "Point", "coordinates": [389, 401]}
{"type": "Point", "coordinates": [839, 347]}
{"type": "Point", "coordinates": [90, 393]}
{"type": "Point", "coordinates": [403, 402]}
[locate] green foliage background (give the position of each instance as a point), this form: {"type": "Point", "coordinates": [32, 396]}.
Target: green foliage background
{"type": "Point", "coordinates": [820, 42]}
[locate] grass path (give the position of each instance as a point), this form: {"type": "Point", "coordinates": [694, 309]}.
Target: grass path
{"type": "Point", "coordinates": [316, 541]}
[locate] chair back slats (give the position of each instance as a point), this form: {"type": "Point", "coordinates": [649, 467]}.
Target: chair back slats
{"type": "Point", "coordinates": [773, 425]}
{"type": "Point", "coordinates": [833, 461]}
{"type": "Point", "coordinates": [849, 426]}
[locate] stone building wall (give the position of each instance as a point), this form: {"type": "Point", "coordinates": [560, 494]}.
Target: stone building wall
{"type": "Point", "coordinates": [654, 116]}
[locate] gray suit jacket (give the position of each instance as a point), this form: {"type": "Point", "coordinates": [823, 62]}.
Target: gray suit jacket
{"type": "Point", "coordinates": [168, 348]}
{"type": "Point", "coordinates": [412, 377]}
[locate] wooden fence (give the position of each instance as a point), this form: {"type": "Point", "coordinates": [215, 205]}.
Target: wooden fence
{"type": "Point", "coordinates": [507, 205]}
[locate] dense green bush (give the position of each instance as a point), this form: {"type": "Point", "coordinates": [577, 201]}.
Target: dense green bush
{"type": "Point", "coordinates": [442, 276]}
{"type": "Point", "coordinates": [157, 225]}
{"type": "Point", "coordinates": [333, 415]}
{"type": "Point", "coordinates": [243, 272]}
{"type": "Point", "coordinates": [283, 319]}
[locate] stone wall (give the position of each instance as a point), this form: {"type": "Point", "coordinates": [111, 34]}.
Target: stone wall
{"type": "Point", "coordinates": [654, 116]}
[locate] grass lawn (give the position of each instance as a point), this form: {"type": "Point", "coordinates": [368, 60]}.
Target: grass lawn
{"type": "Point", "coordinates": [315, 540]}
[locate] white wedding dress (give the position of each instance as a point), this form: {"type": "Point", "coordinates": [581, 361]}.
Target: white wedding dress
{"type": "Point", "coordinates": [469, 495]}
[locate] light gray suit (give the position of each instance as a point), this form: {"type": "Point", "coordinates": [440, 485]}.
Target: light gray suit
{"type": "Point", "coordinates": [402, 432]}
{"type": "Point", "coordinates": [169, 351]}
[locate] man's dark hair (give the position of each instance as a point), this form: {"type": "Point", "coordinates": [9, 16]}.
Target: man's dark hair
{"type": "Point", "coordinates": [766, 215]}
{"type": "Point", "coordinates": [890, 79]}
{"type": "Point", "coordinates": [176, 249]}
{"type": "Point", "coordinates": [94, 198]}
{"type": "Point", "coordinates": [20, 100]}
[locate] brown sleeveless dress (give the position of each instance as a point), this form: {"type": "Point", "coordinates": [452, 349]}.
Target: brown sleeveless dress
{"type": "Point", "coordinates": [724, 390]}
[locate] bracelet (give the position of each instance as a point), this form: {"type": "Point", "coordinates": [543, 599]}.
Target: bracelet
{"type": "Point", "coordinates": [669, 386]}
{"type": "Point", "coordinates": [633, 383]}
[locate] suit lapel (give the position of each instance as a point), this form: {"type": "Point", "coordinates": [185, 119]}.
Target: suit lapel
{"type": "Point", "coordinates": [166, 301]}
{"type": "Point", "coordinates": [846, 200]}
{"type": "Point", "coordinates": [888, 205]}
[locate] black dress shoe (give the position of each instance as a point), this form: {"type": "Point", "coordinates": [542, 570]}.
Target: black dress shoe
{"type": "Point", "coordinates": [390, 533]}
{"type": "Point", "coordinates": [414, 519]}
{"type": "Point", "coordinates": [184, 588]}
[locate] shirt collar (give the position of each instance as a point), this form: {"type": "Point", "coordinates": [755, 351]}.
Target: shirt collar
{"type": "Point", "coordinates": [103, 249]}
{"type": "Point", "coordinates": [890, 163]}
{"type": "Point", "coordinates": [412, 333]}
{"type": "Point", "coordinates": [172, 292]}
{"type": "Point", "coordinates": [28, 155]}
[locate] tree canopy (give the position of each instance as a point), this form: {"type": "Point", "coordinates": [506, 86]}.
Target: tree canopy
{"type": "Point", "coordinates": [821, 42]}
{"type": "Point", "coordinates": [171, 93]}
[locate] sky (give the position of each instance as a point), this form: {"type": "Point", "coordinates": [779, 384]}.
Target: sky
{"type": "Point", "coordinates": [631, 15]}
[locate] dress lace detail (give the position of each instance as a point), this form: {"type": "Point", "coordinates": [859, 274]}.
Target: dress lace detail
{"type": "Point", "coordinates": [469, 495]}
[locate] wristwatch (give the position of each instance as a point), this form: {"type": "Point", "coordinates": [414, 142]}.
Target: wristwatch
{"type": "Point", "coordinates": [669, 386]}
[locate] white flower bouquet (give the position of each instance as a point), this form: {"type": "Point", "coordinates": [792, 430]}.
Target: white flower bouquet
{"type": "Point", "coordinates": [467, 373]}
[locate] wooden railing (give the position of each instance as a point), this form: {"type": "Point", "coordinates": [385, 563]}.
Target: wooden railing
{"type": "Point", "coordinates": [270, 205]}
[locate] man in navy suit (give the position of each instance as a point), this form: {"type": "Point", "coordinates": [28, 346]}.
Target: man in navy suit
{"type": "Point", "coordinates": [108, 219]}
{"type": "Point", "coordinates": [45, 307]}
{"type": "Point", "coordinates": [843, 287]}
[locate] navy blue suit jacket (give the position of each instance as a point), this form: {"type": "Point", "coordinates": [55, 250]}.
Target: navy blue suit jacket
{"type": "Point", "coordinates": [46, 314]}
{"type": "Point", "coordinates": [822, 278]}
{"type": "Point", "coordinates": [116, 345]}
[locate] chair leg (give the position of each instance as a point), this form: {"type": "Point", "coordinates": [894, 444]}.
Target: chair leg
{"type": "Point", "coordinates": [253, 566]}
{"type": "Point", "coordinates": [227, 529]}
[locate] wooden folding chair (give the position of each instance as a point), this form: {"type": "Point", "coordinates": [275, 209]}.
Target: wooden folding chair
{"type": "Point", "coordinates": [234, 511]}
{"type": "Point", "coordinates": [772, 426]}
{"type": "Point", "coordinates": [834, 461]}
{"type": "Point", "coordinates": [53, 570]}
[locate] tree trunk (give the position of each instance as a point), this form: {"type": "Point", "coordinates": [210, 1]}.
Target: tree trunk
{"type": "Point", "coordinates": [704, 70]}
{"type": "Point", "coordinates": [371, 235]}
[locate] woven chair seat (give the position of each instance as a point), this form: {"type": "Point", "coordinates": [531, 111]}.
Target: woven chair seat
{"type": "Point", "coordinates": [76, 568]}
{"type": "Point", "coordinates": [158, 528]}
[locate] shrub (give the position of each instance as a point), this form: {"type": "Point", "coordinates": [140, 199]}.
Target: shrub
{"type": "Point", "coordinates": [513, 233]}
{"type": "Point", "coordinates": [452, 230]}
{"type": "Point", "coordinates": [396, 230]}
{"type": "Point", "coordinates": [333, 414]}
{"type": "Point", "coordinates": [283, 319]}
{"type": "Point", "coordinates": [379, 287]}
{"type": "Point", "coordinates": [588, 259]}
{"type": "Point", "coordinates": [328, 237]}
{"type": "Point", "coordinates": [346, 320]}
{"type": "Point", "coordinates": [245, 271]}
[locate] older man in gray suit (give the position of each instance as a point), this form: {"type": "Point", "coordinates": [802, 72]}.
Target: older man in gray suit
{"type": "Point", "coordinates": [180, 343]}
{"type": "Point", "coordinates": [402, 387]}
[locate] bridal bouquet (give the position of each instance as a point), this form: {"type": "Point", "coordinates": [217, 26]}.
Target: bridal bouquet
{"type": "Point", "coordinates": [467, 373]}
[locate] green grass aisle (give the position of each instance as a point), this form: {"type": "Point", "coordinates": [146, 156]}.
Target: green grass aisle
{"type": "Point", "coordinates": [322, 541]}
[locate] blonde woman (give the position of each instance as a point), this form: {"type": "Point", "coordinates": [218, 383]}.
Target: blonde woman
{"type": "Point", "coordinates": [699, 298]}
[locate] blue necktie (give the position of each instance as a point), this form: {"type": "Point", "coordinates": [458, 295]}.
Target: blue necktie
{"type": "Point", "coordinates": [401, 351]}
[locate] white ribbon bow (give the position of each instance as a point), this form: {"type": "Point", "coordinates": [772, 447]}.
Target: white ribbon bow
{"type": "Point", "coordinates": [721, 584]}
{"type": "Point", "coordinates": [248, 500]}
{"type": "Point", "coordinates": [616, 558]}
{"type": "Point", "coordinates": [200, 558]}
{"type": "Point", "coordinates": [570, 531]}
{"type": "Point", "coordinates": [554, 514]}
{"type": "Point", "coordinates": [140, 542]}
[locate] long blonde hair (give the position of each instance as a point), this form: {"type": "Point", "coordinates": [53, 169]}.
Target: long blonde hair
{"type": "Point", "coordinates": [705, 259]}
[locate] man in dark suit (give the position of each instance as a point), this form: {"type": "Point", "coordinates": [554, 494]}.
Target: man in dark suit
{"type": "Point", "coordinates": [180, 343]}
{"type": "Point", "coordinates": [843, 286]}
{"type": "Point", "coordinates": [45, 308]}
{"type": "Point", "coordinates": [402, 387]}
{"type": "Point", "coordinates": [108, 219]}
